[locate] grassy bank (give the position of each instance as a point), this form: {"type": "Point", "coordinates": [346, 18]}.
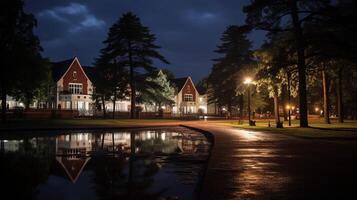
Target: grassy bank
{"type": "Point", "coordinates": [317, 129]}
{"type": "Point", "coordinates": [83, 123]}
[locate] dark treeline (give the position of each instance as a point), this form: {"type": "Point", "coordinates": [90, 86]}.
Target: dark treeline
{"type": "Point", "coordinates": [308, 59]}
{"type": "Point", "coordinates": [24, 74]}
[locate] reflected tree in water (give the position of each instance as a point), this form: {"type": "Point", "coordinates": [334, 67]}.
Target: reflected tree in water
{"type": "Point", "coordinates": [121, 174]}
{"type": "Point", "coordinates": [23, 170]}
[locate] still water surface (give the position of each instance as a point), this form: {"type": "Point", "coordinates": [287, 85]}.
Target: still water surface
{"type": "Point", "coordinates": [122, 164]}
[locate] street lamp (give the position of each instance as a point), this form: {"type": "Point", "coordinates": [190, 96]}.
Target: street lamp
{"type": "Point", "coordinates": [317, 109]}
{"type": "Point", "coordinates": [248, 81]}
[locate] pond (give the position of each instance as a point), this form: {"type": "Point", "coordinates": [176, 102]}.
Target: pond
{"type": "Point", "coordinates": [163, 163]}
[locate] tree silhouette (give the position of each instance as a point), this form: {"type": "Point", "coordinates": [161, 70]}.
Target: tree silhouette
{"type": "Point", "coordinates": [277, 16]}
{"type": "Point", "coordinates": [226, 74]}
{"type": "Point", "coordinates": [131, 46]}
{"type": "Point", "coordinates": [17, 41]}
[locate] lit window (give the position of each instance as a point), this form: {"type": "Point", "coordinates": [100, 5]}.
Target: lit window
{"type": "Point", "coordinates": [188, 97]}
{"type": "Point", "coordinates": [75, 88]}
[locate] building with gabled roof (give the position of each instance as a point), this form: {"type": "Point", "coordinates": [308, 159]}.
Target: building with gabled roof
{"type": "Point", "coordinates": [73, 86]}
{"type": "Point", "coordinates": [187, 98]}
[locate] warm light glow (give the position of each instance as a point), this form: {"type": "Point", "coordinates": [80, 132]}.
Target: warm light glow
{"type": "Point", "coordinates": [288, 107]}
{"type": "Point", "coordinates": [292, 107]}
{"type": "Point", "coordinates": [247, 81]}
{"type": "Point", "coordinates": [317, 109]}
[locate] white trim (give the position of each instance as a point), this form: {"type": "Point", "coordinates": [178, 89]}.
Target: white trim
{"type": "Point", "coordinates": [186, 83]}
{"type": "Point", "coordinates": [80, 66]}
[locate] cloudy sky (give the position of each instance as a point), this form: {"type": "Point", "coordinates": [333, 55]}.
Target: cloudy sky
{"type": "Point", "coordinates": [187, 30]}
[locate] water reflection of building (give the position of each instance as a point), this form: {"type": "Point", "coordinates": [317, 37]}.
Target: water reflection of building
{"type": "Point", "coordinates": [72, 153]}
{"type": "Point", "coordinates": [10, 145]}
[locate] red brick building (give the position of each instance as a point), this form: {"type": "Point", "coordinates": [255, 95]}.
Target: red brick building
{"type": "Point", "coordinates": [73, 86]}
{"type": "Point", "coordinates": [188, 99]}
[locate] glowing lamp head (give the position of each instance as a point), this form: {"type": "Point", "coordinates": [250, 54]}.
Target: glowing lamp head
{"type": "Point", "coordinates": [288, 107]}
{"type": "Point", "coordinates": [317, 109]}
{"type": "Point", "coordinates": [247, 81]}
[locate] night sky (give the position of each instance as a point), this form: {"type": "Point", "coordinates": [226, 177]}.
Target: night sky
{"type": "Point", "coordinates": [187, 30]}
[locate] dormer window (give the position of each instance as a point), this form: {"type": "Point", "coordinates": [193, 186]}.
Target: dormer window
{"type": "Point", "coordinates": [74, 75]}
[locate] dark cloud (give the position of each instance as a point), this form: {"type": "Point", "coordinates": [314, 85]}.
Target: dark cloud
{"type": "Point", "coordinates": [187, 30]}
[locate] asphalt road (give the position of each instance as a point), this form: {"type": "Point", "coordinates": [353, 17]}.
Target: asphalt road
{"type": "Point", "coordinates": [254, 165]}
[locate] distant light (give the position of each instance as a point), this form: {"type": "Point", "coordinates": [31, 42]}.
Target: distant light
{"type": "Point", "coordinates": [247, 81]}
{"type": "Point", "coordinates": [288, 107]}
{"type": "Point", "coordinates": [317, 109]}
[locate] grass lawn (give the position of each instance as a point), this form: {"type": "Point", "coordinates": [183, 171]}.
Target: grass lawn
{"type": "Point", "coordinates": [45, 124]}
{"type": "Point", "coordinates": [317, 129]}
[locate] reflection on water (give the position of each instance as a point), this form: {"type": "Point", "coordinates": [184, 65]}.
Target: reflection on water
{"type": "Point", "coordinates": [141, 164]}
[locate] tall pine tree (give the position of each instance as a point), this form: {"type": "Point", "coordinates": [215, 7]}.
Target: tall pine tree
{"type": "Point", "coordinates": [225, 76]}
{"type": "Point", "coordinates": [131, 46]}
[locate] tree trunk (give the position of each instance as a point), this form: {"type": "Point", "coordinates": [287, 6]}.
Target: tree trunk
{"type": "Point", "coordinates": [114, 100]}
{"type": "Point", "coordinates": [113, 115]}
{"type": "Point", "coordinates": [132, 86]}
{"type": "Point", "coordinates": [300, 47]}
{"type": "Point", "coordinates": [276, 109]}
{"type": "Point", "coordinates": [283, 101]}
{"type": "Point", "coordinates": [326, 97]}
{"type": "Point", "coordinates": [103, 104]}
{"type": "Point", "coordinates": [3, 101]}
{"type": "Point", "coordinates": [27, 101]}
{"type": "Point", "coordinates": [249, 105]}
{"type": "Point", "coordinates": [339, 97]}
{"type": "Point", "coordinates": [229, 108]}
{"type": "Point", "coordinates": [241, 106]}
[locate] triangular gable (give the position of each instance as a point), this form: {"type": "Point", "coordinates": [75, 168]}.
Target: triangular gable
{"type": "Point", "coordinates": [73, 168]}
{"type": "Point", "coordinates": [188, 80]}
{"type": "Point", "coordinates": [80, 66]}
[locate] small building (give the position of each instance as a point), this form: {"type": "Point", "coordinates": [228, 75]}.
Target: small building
{"type": "Point", "coordinates": [73, 86]}
{"type": "Point", "coordinates": [187, 99]}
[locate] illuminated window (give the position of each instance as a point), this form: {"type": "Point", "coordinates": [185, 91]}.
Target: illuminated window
{"type": "Point", "coordinates": [188, 97]}
{"type": "Point", "coordinates": [75, 88]}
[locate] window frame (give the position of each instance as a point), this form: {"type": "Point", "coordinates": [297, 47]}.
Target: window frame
{"type": "Point", "coordinates": [188, 97]}
{"type": "Point", "coordinates": [75, 88]}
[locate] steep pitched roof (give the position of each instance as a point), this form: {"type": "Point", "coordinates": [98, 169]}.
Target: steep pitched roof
{"type": "Point", "coordinates": [90, 72]}
{"type": "Point", "coordinates": [179, 82]}
{"type": "Point", "coordinates": [201, 90]}
{"type": "Point", "coordinates": [59, 68]}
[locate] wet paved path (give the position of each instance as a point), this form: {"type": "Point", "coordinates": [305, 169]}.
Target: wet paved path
{"type": "Point", "coordinates": [254, 165]}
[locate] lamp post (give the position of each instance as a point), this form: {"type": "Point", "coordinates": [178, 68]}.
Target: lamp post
{"type": "Point", "coordinates": [248, 81]}
{"type": "Point", "coordinates": [289, 91]}
{"type": "Point", "coordinates": [289, 113]}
